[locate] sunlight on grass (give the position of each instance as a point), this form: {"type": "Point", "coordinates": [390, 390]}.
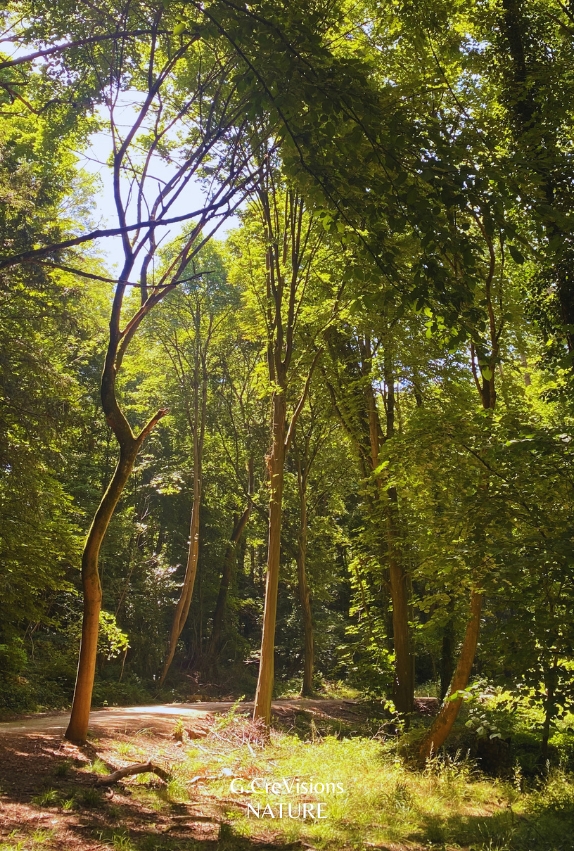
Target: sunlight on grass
{"type": "Point", "coordinates": [373, 798]}
{"type": "Point", "coordinates": [370, 797]}
{"type": "Point", "coordinates": [97, 766]}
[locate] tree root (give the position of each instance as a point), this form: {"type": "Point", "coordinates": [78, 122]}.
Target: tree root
{"type": "Point", "coordinates": [136, 768]}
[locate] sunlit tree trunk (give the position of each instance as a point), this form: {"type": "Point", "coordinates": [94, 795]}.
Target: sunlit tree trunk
{"type": "Point", "coordinates": [78, 726]}
{"type": "Point", "coordinates": [444, 721]}
{"type": "Point", "coordinates": [276, 464]}
{"type": "Point", "coordinates": [129, 445]}
{"type": "Point", "coordinates": [483, 365]}
{"type": "Point", "coordinates": [290, 250]}
{"type": "Point", "coordinates": [186, 594]}
{"type": "Point", "coordinates": [196, 420]}
{"type": "Point", "coordinates": [404, 688]}
{"type": "Point", "coordinates": [360, 417]}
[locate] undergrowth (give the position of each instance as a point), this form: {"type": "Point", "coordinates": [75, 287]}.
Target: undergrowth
{"type": "Point", "coordinates": [370, 797]}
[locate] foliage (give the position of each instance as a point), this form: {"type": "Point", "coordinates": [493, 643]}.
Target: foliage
{"type": "Point", "coordinates": [427, 148]}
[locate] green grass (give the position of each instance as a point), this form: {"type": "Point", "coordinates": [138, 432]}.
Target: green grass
{"type": "Point", "coordinates": [381, 801]}
{"type": "Point", "coordinates": [97, 766]}
{"type": "Point", "coordinates": [449, 806]}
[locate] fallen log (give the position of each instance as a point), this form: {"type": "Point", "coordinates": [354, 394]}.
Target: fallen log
{"type": "Point", "coordinates": [136, 768]}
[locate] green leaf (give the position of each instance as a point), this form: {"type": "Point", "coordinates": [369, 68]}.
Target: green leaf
{"type": "Point", "coordinates": [516, 255]}
{"type": "Point", "coordinates": [381, 467]}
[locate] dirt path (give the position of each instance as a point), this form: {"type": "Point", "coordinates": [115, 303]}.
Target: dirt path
{"type": "Point", "coordinates": [162, 718]}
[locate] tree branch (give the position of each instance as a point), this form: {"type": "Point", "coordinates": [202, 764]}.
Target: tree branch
{"type": "Point", "coordinates": [138, 768]}
{"type": "Point", "coordinates": [302, 400]}
{"type": "Point", "coordinates": [50, 51]}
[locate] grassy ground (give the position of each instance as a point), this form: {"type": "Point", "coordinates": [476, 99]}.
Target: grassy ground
{"type": "Point", "coordinates": [376, 801]}
{"type": "Point", "coordinates": [50, 800]}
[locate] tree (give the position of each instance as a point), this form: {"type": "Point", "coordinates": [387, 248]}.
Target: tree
{"type": "Point", "coordinates": [285, 238]}
{"type": "Point", "coordinates": [352, 382]}
{"type": "Point", "coordinates": [165, 106]}
{"type": "Point", "coordinates": [195, 316]}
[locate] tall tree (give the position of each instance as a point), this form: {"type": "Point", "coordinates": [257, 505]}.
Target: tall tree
{"type": "Point", "coordinates": [166, 105]}
{"type": "Point", "coordinates": [287, 241]}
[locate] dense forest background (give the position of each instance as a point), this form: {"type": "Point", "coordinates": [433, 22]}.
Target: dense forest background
{"type": "Point", "coordinates": [345, 241]}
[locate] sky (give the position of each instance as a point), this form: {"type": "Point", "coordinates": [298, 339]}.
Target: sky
{"type": "Point", "coordinates": [95, 159]}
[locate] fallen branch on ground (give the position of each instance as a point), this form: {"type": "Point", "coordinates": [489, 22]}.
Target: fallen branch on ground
{"type": "Point", "coordinates": [137, 768]}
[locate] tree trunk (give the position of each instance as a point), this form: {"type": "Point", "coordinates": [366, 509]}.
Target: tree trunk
{"type": "Point", "coordinates": [196, 421]}
{"type": "Point", "coordinates": [404, 687]}
{"type": "Point", "coordinates": [78, 725]}
{"type": "Point", "coordinates": [448, 713]}
{"type": "Point", "coordinates": [264, 693]}
{"type": "Point", "coordinates": [184, 602]}
{"type": "Point", "coordinates": [447, 664]}
{"type": "Point", "coordinates": [442, 724]}
{"type": "Point", "coordinates": [228, 568]}
{"type": "Point", "coordinates": [304, 599]}
{"type": "Point", "coordinates": [129, 447]}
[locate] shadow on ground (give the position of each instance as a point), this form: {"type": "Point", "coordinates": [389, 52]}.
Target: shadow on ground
{"type": "Point", "coordinates": [547, 828]}
{"type": "Point", "coordinates": [49, 800]}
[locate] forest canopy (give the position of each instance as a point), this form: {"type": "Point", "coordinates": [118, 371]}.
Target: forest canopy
{"type": "Point", "coordinates": [306, 426]}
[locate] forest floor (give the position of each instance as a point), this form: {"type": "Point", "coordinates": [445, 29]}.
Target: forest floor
{"type": "Point", "coordinates": [52, 795]}
{"type": "Point", "coordinates": [163, 716]}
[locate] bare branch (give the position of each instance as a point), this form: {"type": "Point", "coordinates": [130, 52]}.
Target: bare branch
{"type": "Point", "coordinates": [60, 48]}
{"type": "Point", "coordinates": [138, 768]}
{"type": "Point", "coordinates": [302, 400]}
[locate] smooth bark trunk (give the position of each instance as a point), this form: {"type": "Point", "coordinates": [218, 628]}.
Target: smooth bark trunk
{"type": "Point", "coordinates": [184, 602]}
{"type": "Point", "coordinates": [449, 710]}
{"type": "Point", "coordinates": [129, 445]}
{"type": "Point", "coordinates": [442, 724]}
{"type": "Point", "coordinates": [91, 586]}
{"type": "Point", "coordinates": [264, 693]}
{"type": "Point", "coordinates": [196, 421]}
{"type": "Point", "coordinates": [404, 685]}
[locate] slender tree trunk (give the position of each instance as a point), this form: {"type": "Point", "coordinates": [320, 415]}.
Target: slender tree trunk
{"type": "Point", "coordinates": [196, 420]}
{"type": "Point", "coordinates": [264, 693]}
{"type": "Point", "coordinates": [78, 726]}
{"type": "Point", "coordinates": [404, 688]}
{"type": "Point", "coordinates": [361, 421]}
{"type": "Point", "coordinates": [129, 445]}
{"type": "Point", "coordinates": [442, 724]}
{"type": "Point", "coordinates": [184, 602]}
{"type": "Point", "coordinates": [228, 567]}
{"type": "Point", "coordinates": [486, 387]}
{"type": "Point", "coordinates": [304, 597]}
{"type": "Point", "coordinates": [447, 663]}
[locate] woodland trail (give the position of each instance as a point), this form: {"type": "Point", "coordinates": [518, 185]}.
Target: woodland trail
{"type": "Point", "coordinates": [163, 717]}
